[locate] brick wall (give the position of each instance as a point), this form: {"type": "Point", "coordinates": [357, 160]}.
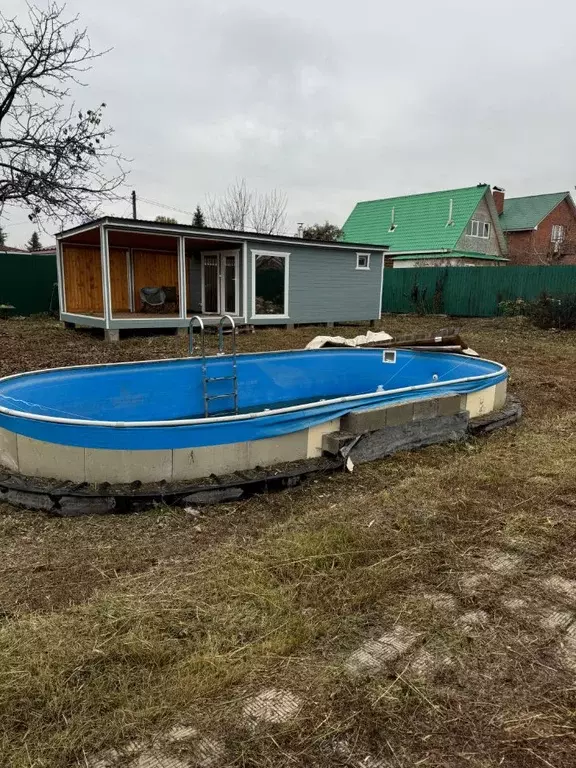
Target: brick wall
{"type": "Point", "coordinates": [533, 247]}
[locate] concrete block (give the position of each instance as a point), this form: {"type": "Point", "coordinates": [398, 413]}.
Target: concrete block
{"type": "Point", "coordinates": [192, 463]}
{"type": "Point", "coordinates": [112, 334]}
{"type": "Point", "coordinates": [40, 459]}
{"type": "Point", "coordinates": [365, 420]}
{"type": "Point", "coordinates": [481, 402]}
{"type": "Point", "coordinates": [450, 405]}
{"type": "Point", "coordinates": [414, 434]}
{"type": "Point", "coordinates": [500, 395]}
{"type": "Point", "coordinates": [425, 409]}
{"type": "Point", "coordinates": [8, 450]}
{"type": "Point", "coordinates": [315, 436]}
{"type": "Point", "coordinates": [399, 414]}
{"type": "Point", "coordinates": [334, 441]}
{"type": "Point", "coordinates": [109, 466]}
{"type": "Point", "coordinates": [273, 450]}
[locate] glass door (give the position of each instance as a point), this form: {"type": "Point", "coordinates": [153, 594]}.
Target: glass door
{"type": "Point", "coordinates": [220, 282]}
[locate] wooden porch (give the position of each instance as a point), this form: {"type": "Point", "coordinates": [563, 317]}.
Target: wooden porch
{"type": "Point", "coordinates": [113, 278]}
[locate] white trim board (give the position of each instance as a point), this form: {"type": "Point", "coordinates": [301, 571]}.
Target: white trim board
{"type": "Point", "coordinates": [255, 252]}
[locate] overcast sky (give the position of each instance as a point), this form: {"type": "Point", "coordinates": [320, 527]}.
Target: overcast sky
{"type": "Point", "coordinates": [332, 102]}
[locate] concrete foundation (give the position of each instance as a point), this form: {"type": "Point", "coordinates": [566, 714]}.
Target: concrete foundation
{"type": "Point", "coordinates": [111, 334]}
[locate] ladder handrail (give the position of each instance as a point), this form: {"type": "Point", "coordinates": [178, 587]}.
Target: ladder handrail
{"type": "Point", "coordinates": [221, 334]}
{"type": "Point", "coordinates": [205, 378]}
{"type": "Point", "coordinates": [191, 335]}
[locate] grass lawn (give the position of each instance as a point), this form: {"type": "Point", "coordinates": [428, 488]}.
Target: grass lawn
{"type": "Point", "coordinates": [417, 612]}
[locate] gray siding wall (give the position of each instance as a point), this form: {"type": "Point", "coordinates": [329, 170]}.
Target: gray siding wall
{"type": "Point", "coordinates": [324, 285]}
{"type": "Point", "coordinates": [490, 245]}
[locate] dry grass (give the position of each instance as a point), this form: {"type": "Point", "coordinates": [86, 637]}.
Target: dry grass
{"type": "Point", "coordinates": [116, 629]}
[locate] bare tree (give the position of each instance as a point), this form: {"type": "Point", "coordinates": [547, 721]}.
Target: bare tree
{"type": "Point", "coordinates": [268, 212]}
{"type": "Point", "coordinates": [55, 160]}
{"type": "Point", "coordinates": [241, 208]}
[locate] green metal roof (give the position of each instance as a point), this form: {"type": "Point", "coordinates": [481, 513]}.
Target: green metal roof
{"type": "Point", "coordinates": [527, 212]}
{"type": "Point", "coordinates": [421, 221]}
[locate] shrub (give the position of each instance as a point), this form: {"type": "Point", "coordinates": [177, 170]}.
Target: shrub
{"type": "Point", "coordinates": [512, 307]}
{"type": "Point", "coordinates": [553, 312]}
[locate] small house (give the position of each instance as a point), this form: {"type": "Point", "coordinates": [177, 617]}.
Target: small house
{"type": "Point", "coordinates": [119, 274]}
{"type": "Point", "coordinates": [540, 229]}
{"type": "Point", "coordinates": [455, 227]}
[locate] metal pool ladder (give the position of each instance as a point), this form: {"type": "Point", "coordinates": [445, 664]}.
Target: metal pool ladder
{"type": "Point", "coordinates": [206, 379]}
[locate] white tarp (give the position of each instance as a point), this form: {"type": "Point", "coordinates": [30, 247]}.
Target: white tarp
{"type": "Point", "coordinates": [329, 341]}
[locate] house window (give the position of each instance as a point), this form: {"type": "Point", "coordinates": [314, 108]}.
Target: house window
{"type": "Point", "coordinates": [558, 233]}
{"type": "Point", "coordinates": [362, 261]}
{"type": "Point", "coordinates": [477, 228]}
{"type": "Point", "coordinates": [270, 284]}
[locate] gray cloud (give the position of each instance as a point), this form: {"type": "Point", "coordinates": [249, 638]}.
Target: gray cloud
{"type": "Point", "coordinates": [334, 102]}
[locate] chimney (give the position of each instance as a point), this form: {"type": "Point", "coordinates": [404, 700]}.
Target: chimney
{"type": "Point", "coordinates": [498, 195]}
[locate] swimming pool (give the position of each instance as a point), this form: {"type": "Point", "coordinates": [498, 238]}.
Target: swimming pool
{"type": "Point", "coordinates": [146, 420]}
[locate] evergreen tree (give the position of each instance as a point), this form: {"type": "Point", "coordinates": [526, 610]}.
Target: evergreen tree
{"type": "Point", "coordinates": [2, 236]}
{"type": "Point", "coordinates": [198, 220]}
{"type": "Point", "coordinates": [34, 243]}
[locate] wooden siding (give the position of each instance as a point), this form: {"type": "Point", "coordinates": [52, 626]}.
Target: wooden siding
{"type": "Point", "coordinates": [119, 280]}
{"type": "Point", "coordinates": [82, 279]}
{"type": "Point", "coordinates": [153, 268]}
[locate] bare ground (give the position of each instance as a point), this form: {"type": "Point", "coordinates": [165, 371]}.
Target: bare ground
{"type": "Point", "coordinates": [418, 612]}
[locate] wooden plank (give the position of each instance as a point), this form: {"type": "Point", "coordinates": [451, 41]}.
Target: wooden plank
{"type": "Point", "coordinates": [82, 279]}
{"type": "Point", "coordinates": [153, 269]}
{"type": "Point", "coordinates": [119, 281]}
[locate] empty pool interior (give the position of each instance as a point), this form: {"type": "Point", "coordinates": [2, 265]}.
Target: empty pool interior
{"type": "Point", "coordinates": [286, 402]}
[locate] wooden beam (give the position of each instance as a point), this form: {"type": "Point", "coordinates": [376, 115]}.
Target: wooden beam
{"type": "Point", "coordinates": [105, 266]}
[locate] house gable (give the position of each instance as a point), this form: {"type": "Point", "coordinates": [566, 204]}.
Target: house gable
{"type": "Point", "coordinates": [495, 244]}
{"type": "Point", "coordinates": [429, 221]}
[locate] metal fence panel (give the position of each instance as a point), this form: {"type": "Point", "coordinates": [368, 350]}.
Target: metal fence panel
{"type": "Point", "coordinates": [27, 282]}
{"type": "Point", "coordinates": [470, 291]}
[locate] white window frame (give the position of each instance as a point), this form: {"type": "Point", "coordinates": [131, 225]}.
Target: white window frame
{"type": "Point", "coordinates": [220, 289]}
{"type": "Point", "coordinates": [367, 257]}
{"type": "Point", "coordinates": [475, 229]}
{"type": "Point", "coordinates": [558, 233]}
{"type": "Point", "coordinates": [277, 254]}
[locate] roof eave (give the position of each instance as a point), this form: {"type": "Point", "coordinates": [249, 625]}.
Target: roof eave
{"type": "Point", "coordinates": [176, 230]}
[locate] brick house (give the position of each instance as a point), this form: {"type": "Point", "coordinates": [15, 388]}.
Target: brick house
{"type": "Point", "coordinates": [540, 229]}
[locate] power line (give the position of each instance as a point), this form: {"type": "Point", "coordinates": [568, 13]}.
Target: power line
{"type": "Point", "coordinates": [163, 205]}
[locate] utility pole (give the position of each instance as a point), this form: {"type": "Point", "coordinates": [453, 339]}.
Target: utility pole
{"type": "Point", "coordinates": [134, 216]}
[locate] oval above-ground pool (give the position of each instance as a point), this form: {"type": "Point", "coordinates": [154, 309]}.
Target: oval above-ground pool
{"type": "Point", "coordinates": [146, 421]}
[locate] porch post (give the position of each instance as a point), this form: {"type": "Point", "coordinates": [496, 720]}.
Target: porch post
{"type": "Point", "coordinates": [183, 288]}
{"type": "Point", "coordinates": [60, 273]}
{"type": "Point", "coordinates": [105, 267]}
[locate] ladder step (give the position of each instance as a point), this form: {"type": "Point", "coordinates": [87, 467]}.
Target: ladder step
{"type": "Point", "coordinates": [217, 397]}
{"type": "Point", "coordinates": [219, 378]}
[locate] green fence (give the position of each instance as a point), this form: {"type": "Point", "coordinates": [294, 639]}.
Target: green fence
{"type": "Point", "coordinates": [27, 282]}
{"type": "Point", "coordinates": [470, 291]}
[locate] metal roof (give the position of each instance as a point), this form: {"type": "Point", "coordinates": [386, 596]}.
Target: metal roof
{"type": "Point", "coordinates": [222, 234]}
{"type": "Point", "coordinates": [521, 213]}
